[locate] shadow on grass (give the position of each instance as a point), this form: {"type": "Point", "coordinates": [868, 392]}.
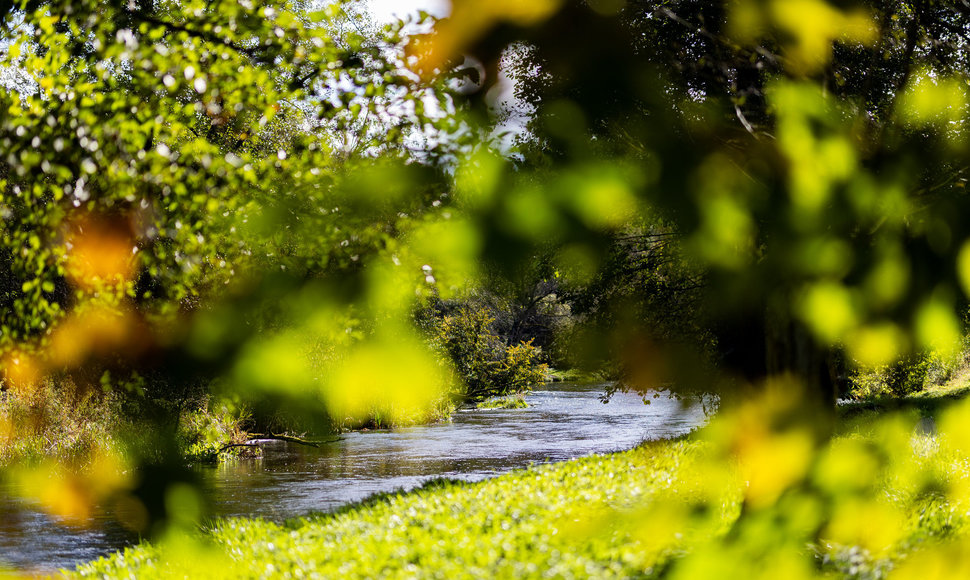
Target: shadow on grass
{"type": "Point", "coordinates": [928, 403]}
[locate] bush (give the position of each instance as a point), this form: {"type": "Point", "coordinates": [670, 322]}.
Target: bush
{"type": "Point", "coordinates": [483, 362]}
{"type": "Point", "coordinates": [520, 369]}
{"type": "Point", "coordinates": [205, 430]}
{"type": "Point", "coordinates": [904, 377]}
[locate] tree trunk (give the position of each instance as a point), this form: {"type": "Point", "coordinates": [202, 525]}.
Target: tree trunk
{"type": "Point", "coordinates": [768, 343]}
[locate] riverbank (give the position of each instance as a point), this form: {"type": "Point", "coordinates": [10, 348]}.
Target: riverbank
{"type": "Point", "coordinates": [736, 499]}
{"type": "Point", "coordinates": [64, 424]}
{"type": "Point", "coordinates": [563, 421]}
{"type": "Point", "coordinates": [530, 522]}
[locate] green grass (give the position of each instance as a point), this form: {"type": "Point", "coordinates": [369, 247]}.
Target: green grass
{"type": "Point", "coordinates": [569, 520]}
{"type": "Point", "coordinates": [570, 376]}
{"type": "Point", "coordinates": [509, 402]}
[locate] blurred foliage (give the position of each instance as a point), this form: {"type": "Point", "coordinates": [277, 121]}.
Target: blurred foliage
{"type": "Point", "coordinates": [805, 154]}
{"type": "Point", "coordinates": [264, 192]}
{"type": "Point", "coordinates": [219, 197]}
{"type": "Point", "coordinates": [643, 282]}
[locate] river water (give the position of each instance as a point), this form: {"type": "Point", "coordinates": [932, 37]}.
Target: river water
{"type": "Point", "coordinates": [563, 421]}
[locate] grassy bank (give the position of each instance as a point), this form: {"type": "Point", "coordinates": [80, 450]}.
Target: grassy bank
{"type": "Point", "coordinates": [509, 402]}
{"type": "Point", "coordinates": [885, 497]}
{"type": "Point", "coordinates": [553, 375]}
{"type": "Point", "coordinates": [527, 523]}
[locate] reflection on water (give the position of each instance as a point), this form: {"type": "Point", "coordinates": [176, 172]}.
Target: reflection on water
{"type": "Point", "coordinates": [563, 421]}
{"type": "Point", "coordinates": [32, 541]}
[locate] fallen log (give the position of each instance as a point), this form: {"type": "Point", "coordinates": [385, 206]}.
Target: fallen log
{"type": "Point", "coordinates": [256, 437]}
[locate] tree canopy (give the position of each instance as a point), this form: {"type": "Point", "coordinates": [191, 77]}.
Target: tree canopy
{"type": "Point", "coordinates": [166, 155]}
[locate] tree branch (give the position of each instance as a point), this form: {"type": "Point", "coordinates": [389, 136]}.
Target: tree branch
{"type": "Point", "coordinates": [251, 52]}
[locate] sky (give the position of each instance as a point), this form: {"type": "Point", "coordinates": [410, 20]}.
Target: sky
{"type": "Point", "coordinates": [388, 10]}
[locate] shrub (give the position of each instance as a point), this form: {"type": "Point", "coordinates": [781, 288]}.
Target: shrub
{"type": "Point", "coordinates": [205, 430]}
{"type": "Point", "coordinates": [903, 377]}
{"type": "Point", "coordinates": [484, 363]}
{"type": "Point", "coordinates": [520, 369]}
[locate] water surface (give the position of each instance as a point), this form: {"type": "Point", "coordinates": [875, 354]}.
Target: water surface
{"type": "Point", "coordinates": [562, 421]}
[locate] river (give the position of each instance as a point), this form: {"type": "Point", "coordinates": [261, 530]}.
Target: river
{"type": "Point", "coordinates": [563, 421]}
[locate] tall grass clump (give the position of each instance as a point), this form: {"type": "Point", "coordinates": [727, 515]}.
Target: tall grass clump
{"type": "Point", "coordinates": [58, 420]}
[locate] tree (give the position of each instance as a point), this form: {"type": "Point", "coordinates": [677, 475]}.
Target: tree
{"type": "Point", "coordinates": [167, 149]}
{"type": "Point", "coordinates": [179, 208]}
